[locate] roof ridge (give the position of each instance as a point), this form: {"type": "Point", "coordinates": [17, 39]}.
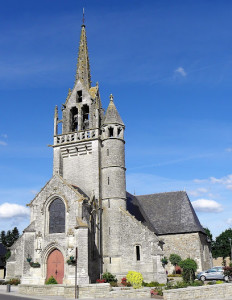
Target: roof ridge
{"type": "Point", "coordinates": [161, 193]}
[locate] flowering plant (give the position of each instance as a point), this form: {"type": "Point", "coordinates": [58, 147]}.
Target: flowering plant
{"type": "Point", "coordinates": [135, 279]}
{"type": "Point", "coordinates": [154, 292]}
{"type": "Point", "coordinates": [101, 281]}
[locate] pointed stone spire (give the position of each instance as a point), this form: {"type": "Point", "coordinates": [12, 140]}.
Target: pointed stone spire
{"type": "Point", "coordinates": [112, 116]}
{"type": "Point", "coordinates": [83, 68]}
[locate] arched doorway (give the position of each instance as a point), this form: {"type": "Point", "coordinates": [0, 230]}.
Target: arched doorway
{"type": "Point", "coordinates": [55, 266]}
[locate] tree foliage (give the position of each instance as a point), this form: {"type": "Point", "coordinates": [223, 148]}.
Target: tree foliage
{"type": "Point", "coordinates": [189, 267]}
{"type": "Point", "coordinates": [8, 239]}
{"type": "Point", "coordinates": [221, 245]}
{"type": "Point", "coordinates": [209, 234]}
{"type": "Point", "coordinates": [174, 259]}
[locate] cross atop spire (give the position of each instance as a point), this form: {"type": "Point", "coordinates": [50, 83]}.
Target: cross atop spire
{"type": "Point", "coordinates": [83, 68]}
{"type": "Point", "coordinates": [83, 20]}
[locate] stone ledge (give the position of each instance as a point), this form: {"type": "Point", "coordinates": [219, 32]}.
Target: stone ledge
{"type": "Point", "coordinates": [220, 291]}
{"type": "Point", "coordinates": [99, 290]}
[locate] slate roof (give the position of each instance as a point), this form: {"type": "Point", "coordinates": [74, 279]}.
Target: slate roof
{"type": "Point", "coordinates": [166, 213]}
{"type": "Point", "coordinates": [112, 116]}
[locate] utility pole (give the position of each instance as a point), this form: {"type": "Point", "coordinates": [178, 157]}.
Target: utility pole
{"type": "Point", "coordinates": [76, 275]}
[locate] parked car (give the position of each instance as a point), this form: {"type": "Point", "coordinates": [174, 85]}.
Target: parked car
{"type": "Point", "coordinates": [215, 273]}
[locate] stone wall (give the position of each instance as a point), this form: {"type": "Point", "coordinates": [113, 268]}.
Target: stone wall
{"type": "Point", "coordinates": [90, 291]}
{"type": "Point", "coordinates": [217, 291]}
{"type": "Point", "coordinates": [193, 245]}
{"type": "Point", "coordinates": [132, 234]}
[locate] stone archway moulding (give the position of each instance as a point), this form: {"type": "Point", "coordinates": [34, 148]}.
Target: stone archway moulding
{"type": "Point", "coordinates": [52, 197]}
{"type": "Point", "coordinates": [45, 253]}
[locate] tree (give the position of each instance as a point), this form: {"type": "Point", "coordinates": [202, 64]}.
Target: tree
{"type": "Point", "coordinates": [8, 239]}
{"type": "Point", "coordinates": [15, 234]}
{"type": "Point", "coordinates": [189, 267]}
{"type": "Point", "coordinates": [209, 234]}
{"type": "Point", "coordinates": [3, 237]}
{"type": "Point", "coordinates": [221, 245]}
{"type": "Point", "coordinates": [175, 260]}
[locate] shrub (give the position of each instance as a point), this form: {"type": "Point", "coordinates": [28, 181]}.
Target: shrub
{"type": "Point", "coordinates": [228, 271]}
{"type": "Point", "coordinates": [197, 283]}
{"type": "Point", "coordinates": [51, 280]}
{"type": "Point", "coordinates": [151, 284]}
{"type": "Point", "coordinates": [175, 260]}
{"type": "Point", "coordinates": [189, 267]}
{"type": "Point", "coordinates": [135, 279]}
{"type": "Point", "coordinates": [174, 275]}
{"type": "Point", "coordinates": [178, 285]}
{"type": "Point", "coordinates": [109, 277]}
{"type": "Point", "coordinates": [113, 283]}
{"type": "Point", "coordinates": [12, 281]}
{"type": "Point", "coordinates": [219, 281]}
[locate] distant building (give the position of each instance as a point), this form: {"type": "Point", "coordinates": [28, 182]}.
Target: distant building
{"type": "Point", "coordinates": [85, 205]}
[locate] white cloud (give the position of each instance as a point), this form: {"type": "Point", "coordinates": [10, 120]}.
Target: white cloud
{"type": "Point", "coordinates": [228, 149]}
{"type": "Point", "coordinates": [204, 205]}
{"type": "Point", "coordinates": [2, 143]}
{"type": "Point", "coordinates": [229, 221]}
{"type": "Point", "coordinates": [4, 136]}
{"type": "Point", "coordinates": [197, 192]}
{"type": "Point", "coordinates": [226, 180]}
{"type": "Point", "coordinates": [199, 180]}
{"type": "Point", "coordinates": [10, 210]}
{"type": "Point", "coordinates": [180, 71]}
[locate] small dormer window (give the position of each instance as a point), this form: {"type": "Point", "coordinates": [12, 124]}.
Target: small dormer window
{"type": "Point", "coordinates": [79, 96]}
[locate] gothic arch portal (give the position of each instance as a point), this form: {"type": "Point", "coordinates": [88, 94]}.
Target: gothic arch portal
{"type": "Point", "coordinates": [55, 265]}
{"type": "Point", "coordinates": [45, 256]}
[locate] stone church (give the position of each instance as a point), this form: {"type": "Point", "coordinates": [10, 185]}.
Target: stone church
{"type": "Point", "coordinates": [83, 216]}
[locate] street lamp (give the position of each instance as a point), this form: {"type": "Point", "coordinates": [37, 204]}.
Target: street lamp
{"type": "Point", "coordinates": [230, 251]}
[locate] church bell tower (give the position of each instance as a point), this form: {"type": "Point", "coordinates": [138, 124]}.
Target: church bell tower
{"type": "Point", "coordinates": [77, 148]}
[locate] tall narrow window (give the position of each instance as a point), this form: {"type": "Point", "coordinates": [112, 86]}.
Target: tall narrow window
{"type": "Point", "coordinates": [110, 260]}
{"type": "Point", "coordinates": [137, 253]}
{"type": "Point", "coordinates": [85, 117]}
{"type": "Point", "coordinates": [79, 96]}
{"type": "Point", "coordinates": [119, 131]}
{"type": "Point", "coordinates": [108, 203]}
{"type": "Point", "coordinates": [108, 152]}
{"type": "Point", "coordinates": [74, 118]}
{"type": "Point", "coordinates": [57, 216]}
{"type": "Point", "coordinates": [111, 132]}
{"type": "Point", "coordinates": [108, 180]}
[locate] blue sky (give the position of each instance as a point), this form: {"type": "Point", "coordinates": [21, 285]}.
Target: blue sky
{"type": "Point", "coordinates": [168, 65]}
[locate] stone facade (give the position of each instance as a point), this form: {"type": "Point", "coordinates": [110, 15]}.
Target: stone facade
{"type": "Point", "coordinates": [83, 209]}
{"type": "Point", "coordinates": [194, 245]}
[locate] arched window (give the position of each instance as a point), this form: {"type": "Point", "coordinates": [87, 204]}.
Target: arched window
{"type": "Point", "coordinates": [85, 116]}
{"type": "Point", "coordinates": [57, 216]}
{"type": "Point", "coordinates": [74, 119]}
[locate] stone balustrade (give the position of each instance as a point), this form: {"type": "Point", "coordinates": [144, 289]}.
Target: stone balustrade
{"type": "Point", "coordinates": [76, 136]}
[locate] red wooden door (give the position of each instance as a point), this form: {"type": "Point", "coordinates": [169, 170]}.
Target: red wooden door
{"type": "Point", "coordinates": [55, 266]}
